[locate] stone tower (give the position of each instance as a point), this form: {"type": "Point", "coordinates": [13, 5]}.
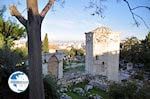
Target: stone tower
{"type": "Point", "coordinates": [102, 53]}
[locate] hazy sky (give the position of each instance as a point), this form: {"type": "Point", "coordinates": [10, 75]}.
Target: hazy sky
{"type": "Point", "coordinates": [73, 20]}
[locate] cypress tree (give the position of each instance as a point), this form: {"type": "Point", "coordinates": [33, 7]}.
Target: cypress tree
{"type": "Point", "coordinates": [45, 44]}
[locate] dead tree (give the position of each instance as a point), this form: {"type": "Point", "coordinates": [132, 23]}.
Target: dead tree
{"type": "Point", "coordinates": [33, 26]}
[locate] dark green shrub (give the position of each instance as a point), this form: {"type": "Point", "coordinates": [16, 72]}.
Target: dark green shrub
{"type": "Point", "coordinates": [126, 90]}
{"type": "Point", "coordinates": [51, 87]}
{"type": "Point", "coordinates": [115, 91]}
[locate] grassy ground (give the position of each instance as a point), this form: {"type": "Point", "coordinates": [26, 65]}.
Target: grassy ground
{"type": "Point", "coordinates": [99, 92]}
{"type": "Point", "coordinates": [76, 96]}
{"type": "Point", "coordinates": [93, 91]}
{"type": "Point", "coordinates": [80, 67]}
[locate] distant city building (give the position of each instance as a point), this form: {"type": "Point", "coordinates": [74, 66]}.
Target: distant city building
{"type": "Point", "coordinates": [53, 47]}
{"type": "Point", "coordinates": [67, 45]}
{"type": "Point", "coordinates": [102, 53]}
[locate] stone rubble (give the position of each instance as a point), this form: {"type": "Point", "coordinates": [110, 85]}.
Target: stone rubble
{"type": "Point", "coordinates": [65, 96]}
{"type": "Point", "coordinates": [88, 87]}
{"type": "Point", "coordinates": [79, 91]}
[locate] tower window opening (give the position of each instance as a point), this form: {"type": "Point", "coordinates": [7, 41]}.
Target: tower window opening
{"type": "Point", "coordinates": [103, 63]}
{"type": "Point", "coordinates": [97, 57]}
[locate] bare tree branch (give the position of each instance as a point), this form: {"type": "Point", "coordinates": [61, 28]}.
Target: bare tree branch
{"type": "Point", "coordinates": [141, 7]}
{"type": "Point", "coordinates": [46, 8]}
{"type": "Point", "coordinates": [14, 12]}
{"type": "Point", "coordinates": [134, 15]}
{"type": "Point", "coordinates": [97, 6]}
{"type": "Point", "coordinates": [142, 20]}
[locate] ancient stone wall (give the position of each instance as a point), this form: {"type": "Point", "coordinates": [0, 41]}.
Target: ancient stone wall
{"type": "Point", "coordinates": [102, 53]}
{"type": "Point", "coordinates": [53, 64]}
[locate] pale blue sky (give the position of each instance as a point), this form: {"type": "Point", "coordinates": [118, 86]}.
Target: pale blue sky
{"type": "Point", "coordinates": [73, 20]}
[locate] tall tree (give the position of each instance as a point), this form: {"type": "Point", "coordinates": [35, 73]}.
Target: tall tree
{"type": "Point", "coordinates": [147, 40]}
{"type": "Point", "coordinates": [9, 31]}
{"type": "Point", "coordinates": [45, 45]}
{"type": "Point", "coordinates": [33, 26]}
{"type": "Point", "coordinates": [130, 50]}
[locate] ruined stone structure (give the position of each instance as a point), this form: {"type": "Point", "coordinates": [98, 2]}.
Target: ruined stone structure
{"type": "Point", "coordinates": [53, 64]}
{"type": "Point", "coordinates": [102, 53]}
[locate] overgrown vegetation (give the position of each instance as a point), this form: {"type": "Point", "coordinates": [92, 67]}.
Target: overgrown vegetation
{"type": "Point", "coordinates": [136, 51]}
{"type": "Point", "coordinates": [9, 32]}
{"type": "Point", "coordinates": [11, 58]}
{"type": "Point", "coordinates": [51, 87]}
{"type": "Point", "coordinates": [74, 52]}
{"type": "Point", "coordinates": [129, 90]}
{"type": "Point", "coordinates": [93, 91]}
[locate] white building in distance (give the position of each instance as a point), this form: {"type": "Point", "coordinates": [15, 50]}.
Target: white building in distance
{"type": "Point", "coordinates": [102, 53]}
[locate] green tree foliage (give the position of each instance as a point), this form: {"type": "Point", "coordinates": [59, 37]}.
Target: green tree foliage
{"type": "Point", "coordinates": [115, 91]}
{"type": "Point", "coordinates": [10, 58]}
{"type": "Point", "coordinates": [74, 52]}
{"type": "Point", "coordinates": [45, 45]}
{"type": "Point", "coordinates": [11, 31]}
{"type": "Point", "coordinates": [144, 92]}
{"type": "Point", "coordinates": [130, 50]}
{"type": "Point", "coordinates": [126, 90]}
{"type": "Point", "coordinates": [1, 41]}
{"type": "Point", "coordinates": [136, 51]}
{"type": "Point", "coordinates": [129, 90]}
{"type": "Point", "coordinates": [23, 52]}
{"type": "Point", "coordinates": [80, 52]}
{"type": "Point", "coordinates": [146, 52]}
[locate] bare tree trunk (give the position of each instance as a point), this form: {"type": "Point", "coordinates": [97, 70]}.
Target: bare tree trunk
{"type": "Point", "coordinates": [33, 27]}
{"type": "Point", "coordinates": [34, 46]}
{"type": "Point", "coordinates": [36, 88]}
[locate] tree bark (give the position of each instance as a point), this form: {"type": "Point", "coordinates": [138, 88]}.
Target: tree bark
{"type": "Point", "coordinates": [35, 61]}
